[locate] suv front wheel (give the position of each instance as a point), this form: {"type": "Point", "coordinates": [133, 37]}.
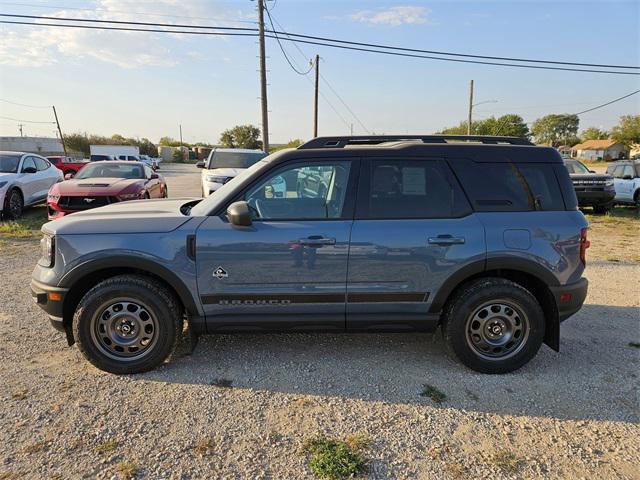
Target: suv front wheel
{"type": "Point", "coordinates": [127, 324]}
{"type": "Point", "coordinates": [493, 325]}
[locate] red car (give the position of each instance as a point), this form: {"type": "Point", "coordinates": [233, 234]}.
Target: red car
{"type": "Point", "coordinates": [68, 165]}
{"type": "Point", "coordinates": [103, 183]}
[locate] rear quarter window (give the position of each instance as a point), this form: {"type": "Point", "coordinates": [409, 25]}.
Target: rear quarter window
{"type": "Point", "coordinates": [509, 186]}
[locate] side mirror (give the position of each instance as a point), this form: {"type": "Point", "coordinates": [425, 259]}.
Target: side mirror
{"type": "Point", "coordinates": [154, 176]}
{"type": "Point", "coordinates": [239, 214]}
{"type": "Point", "coordinates": [68, 176]}
{"type": "Point", "coordinates": [200, 164]}
{"type": "Point", "coordinates": [592, 171]}
{"type": "Point", "coordinates": [29, 170]}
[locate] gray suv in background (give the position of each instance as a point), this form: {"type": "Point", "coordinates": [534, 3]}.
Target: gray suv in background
{"type": "Point", "coordinates": [480, 236]}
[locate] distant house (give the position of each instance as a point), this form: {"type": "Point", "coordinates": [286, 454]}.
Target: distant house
{"type": "Point", "coordinates": [598, 150]}
{"type": "Point", "coordinates": [635, 151]}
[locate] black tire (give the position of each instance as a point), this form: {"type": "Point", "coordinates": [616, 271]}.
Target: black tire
{"type": "Point", "coordinates": [99, 335]}
{"type": "Point", "coordinates": [166, 192]}
{"type": "Point", "coordinates": [636, 199]}
{"type": "Point", "coordinates": [147, 196]}
{"type": "Point", "coordinates": [508, 309]}
{"type": "Point", "coordinates": [13, 205]}
{"type": "Point", "coordinates": [602, 209]}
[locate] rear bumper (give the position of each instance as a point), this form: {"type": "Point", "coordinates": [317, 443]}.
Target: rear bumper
{"type": "Point", "coordinates": [569, 298]}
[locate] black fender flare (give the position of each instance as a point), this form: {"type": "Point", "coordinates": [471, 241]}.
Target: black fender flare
{"type": "Point", "coordinates": [136, 262]}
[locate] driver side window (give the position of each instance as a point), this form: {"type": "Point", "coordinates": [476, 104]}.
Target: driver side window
{"type": "Point", "coordinates": [311, 191]}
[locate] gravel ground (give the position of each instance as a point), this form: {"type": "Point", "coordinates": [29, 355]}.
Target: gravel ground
{"type": "Point", "coordinates": [573, 414]}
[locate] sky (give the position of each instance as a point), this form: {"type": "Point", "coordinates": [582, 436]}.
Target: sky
{"type": "Point", "coordinates": [147, 84]}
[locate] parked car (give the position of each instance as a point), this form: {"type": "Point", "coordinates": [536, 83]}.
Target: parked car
{"type": "Point", "coordinates": [626, 179]}
{"type": "Point", "coordinates": [154, 162]}
{"type": "Point", "coordinates": [103, 183]}
{"type": "Point", "coordinates": [480, 237]}
{"type": "Point", "coordinates": [592, 189]}
{"type": "Point", "coordinates": [67, 165]}
{"type": "Point", "coordinates": [223, 164]}
{"type": "Point", "coordinates": [101, 158]}
{"type": "Point", "coordinates": [25, 179]}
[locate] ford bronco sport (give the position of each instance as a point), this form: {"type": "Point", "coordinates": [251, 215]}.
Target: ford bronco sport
{"type": "Point", "coordinates": [480, 236]}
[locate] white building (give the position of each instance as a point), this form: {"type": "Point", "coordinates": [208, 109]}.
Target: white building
{"type": "Point", "coordinates": [40, 145]}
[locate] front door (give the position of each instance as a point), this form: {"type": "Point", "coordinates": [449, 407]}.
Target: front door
{"type": "Point", "coordinates": [413, 230]}
{"type": "Point", "coordinates": [288, 270]}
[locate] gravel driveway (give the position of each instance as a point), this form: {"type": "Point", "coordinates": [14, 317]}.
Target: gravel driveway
{"type": "Point", "coordinates": [240, 406]}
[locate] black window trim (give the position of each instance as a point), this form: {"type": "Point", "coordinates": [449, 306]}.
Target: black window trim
{"type": "Point", "coordinates": [364, 186]}
{"type": "Point", "coordinates": [348, 208]}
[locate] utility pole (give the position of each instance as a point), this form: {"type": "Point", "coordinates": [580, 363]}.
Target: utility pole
{"type": "Point", "coordinates": [315, 98]}
{"type": "Point", "coordinates": [263, 79]}
{"type": "Point", "coordinates": [181, 150]}
{"type": "Point", "coordinates": [470, 107]}
{"type": "Point", "coordinates": [20, 125]}
{"type": "Point", "coordinates": [351, 129]}
{"type": "Point", "coordinates": [55, 114]}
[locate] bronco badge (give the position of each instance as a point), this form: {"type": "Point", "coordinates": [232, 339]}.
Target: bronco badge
{"type": "Point", "coordinates": [220, 273]}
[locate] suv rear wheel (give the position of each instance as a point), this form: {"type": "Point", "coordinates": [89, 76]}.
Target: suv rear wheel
{"type": "Point", "coordinates": [127, 324]}
{"type": "Point", "coordinates": [493, 325]}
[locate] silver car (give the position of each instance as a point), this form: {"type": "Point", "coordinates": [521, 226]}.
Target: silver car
{"type": "Point", "coordinates": [25, 179]}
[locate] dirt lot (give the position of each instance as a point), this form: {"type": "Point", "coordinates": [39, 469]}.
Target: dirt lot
{"type": "Point", "coordinates": [241, 406]}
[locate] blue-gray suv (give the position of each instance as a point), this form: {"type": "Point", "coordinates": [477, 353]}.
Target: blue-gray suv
{"type": "Point", "coordinates": [480, 236]}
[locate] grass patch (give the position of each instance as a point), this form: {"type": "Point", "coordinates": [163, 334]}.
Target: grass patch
{"type": "Point", "coordinates": [106, 447]}
{"type": "Point", "coordinates": [634, 344]}
{"type": "Point", "coordinates": [222, 382]}
{"type": "Point", "coordinates": [429, 391]}
{"type": "Point", "coordinates": [508, 462]}
{"type": "Point", "coordinates": [127, 469]}
{"type": "Point", "coordinates": [336, 459]}
{"type": "Point", "coordinates": [28, 226]}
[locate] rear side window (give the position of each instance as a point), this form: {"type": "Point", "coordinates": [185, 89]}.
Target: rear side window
{"type": "Point", "coordinates": [500, 187]}
{"type": "Point", "coordinates": [413, 189]}
{"type": "Point", "coordinates": [41, 164]}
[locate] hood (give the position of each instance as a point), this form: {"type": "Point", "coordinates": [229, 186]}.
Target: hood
{"type": "Point", "coordinates": [136, 216]}
{"type": "Point", "coordinates": [223, 172]}
{"type": "Point", "coordinates": [96, 186]}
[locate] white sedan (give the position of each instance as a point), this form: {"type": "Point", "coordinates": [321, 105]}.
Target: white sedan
{"type": "Point", "coordinates": [25, 179]}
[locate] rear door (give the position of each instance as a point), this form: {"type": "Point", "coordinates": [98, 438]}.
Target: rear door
{"type": "Point", "coordinates": [413, 230]}
{"type": "Point", "coordinates": [289, 268]}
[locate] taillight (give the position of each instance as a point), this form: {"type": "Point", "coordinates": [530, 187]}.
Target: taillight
{"type": "Point", "coordinates": [584, 244]}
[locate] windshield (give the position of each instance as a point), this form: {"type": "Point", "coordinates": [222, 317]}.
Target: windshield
{"type": "Point", "coordinates": [227, 159]}
{"type": "Point", "coordinates": [111, 170]}
{"type": "Point", "coordinates": [9, 163]}
{"type": "Point", "coordinates": [576, 167]}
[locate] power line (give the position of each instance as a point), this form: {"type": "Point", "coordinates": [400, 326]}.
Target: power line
{"type": "Point", "coordinates": [608, 103]}
{"type": "Point", "coordinates": [396, 51]}
{"type": "Point", "coordinates": [284, 53]}
{"type": "Point", "coordinates": [97, 9]}
{"type": "Point", "coordinates": [125, 29]}
{"type": "Point", "coordinates": [330, 87]}
{"type": "Point", "coordinates": [25, 121]}
{"type": "Point", "coordinates": [24, 104]}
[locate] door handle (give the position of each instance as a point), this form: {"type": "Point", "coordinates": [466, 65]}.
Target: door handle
{"type": "Point", "coordinates": [445, 240]}
{"type": "Point", "coordinates": [316, 241]}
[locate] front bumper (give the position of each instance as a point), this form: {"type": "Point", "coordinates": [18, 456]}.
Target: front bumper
{"type": "Point", "coordinates": [50, 299]}
{"type": "Point", "coordinates": [597, 197]}
{"type": "Point", "coordinates": [569, 298]}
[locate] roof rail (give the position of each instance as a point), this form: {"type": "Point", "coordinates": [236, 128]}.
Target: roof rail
{"type": "Point", "coordinates": [341, 142]}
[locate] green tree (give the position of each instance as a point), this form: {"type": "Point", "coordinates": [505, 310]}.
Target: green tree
{"type": "Point", "coordinates": [627, 131]}
{"type": "Point", "coordinates": [295, 143]}
{"type": "Point", "coordinates": [510, 125]}
{"type": "Point", "coordinates": [168, 142]}
{"type": "Point", "coordinates": [241, 136]}
{"type": "Point", "coordinates": [77, 142]}
{"type": "Point", "coordinates": [593, 133]}
{"type": "Point", "coordinates": [556, 129]}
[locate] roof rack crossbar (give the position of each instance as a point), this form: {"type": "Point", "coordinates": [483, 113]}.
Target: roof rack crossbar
{"type": "Point", "coordinates": [341, 142]}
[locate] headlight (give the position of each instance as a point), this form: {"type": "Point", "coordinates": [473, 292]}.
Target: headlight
{"type": "Point", "coordinates": [608, 183]}
{"type": "Point", "coordinates": [216, 179]}
{"type": "Point", "coordinates": [129, 196]}
{"type": "Point", "coordinates": [47, 250]}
